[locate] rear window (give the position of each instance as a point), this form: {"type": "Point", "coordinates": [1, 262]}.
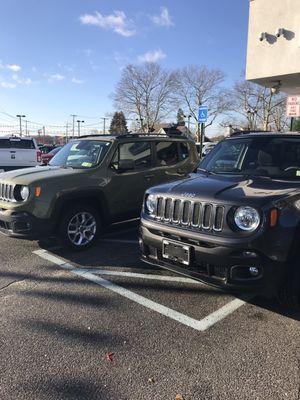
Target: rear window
{"type": "Point", "coordinates": [4, 143]}
{"type": "Point", "coordinates": [22, 144]}
{"type": "Point", "coordinates": [16, 144]}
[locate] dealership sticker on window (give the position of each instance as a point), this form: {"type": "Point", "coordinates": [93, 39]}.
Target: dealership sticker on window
{"type": "Point", "coordinates": [87, 164]}
{"type": "Point", "coordinates": [298, 172]}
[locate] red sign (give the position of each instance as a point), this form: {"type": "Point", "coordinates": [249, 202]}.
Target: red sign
{"type": "Point", "coordinates": [293, 106]}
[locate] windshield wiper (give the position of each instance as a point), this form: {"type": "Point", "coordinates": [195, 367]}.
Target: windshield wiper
{"type": "Point", "coordinates": [206, 171]}
{"type": "Point", "coordinates": [66, 166]}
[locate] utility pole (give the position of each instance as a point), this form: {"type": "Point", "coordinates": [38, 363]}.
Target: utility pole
{"type": "Point", "coordinates": [104, 119]}
{"type": "Point", "coordinates": [67, 127]}
{"type": "Point", "coordinates": [26, 131]}
{"type": "Point", "coordinates": [20, 119]}
{"type": "Point", "coordinates": [73, 130]}
{"type": "Point", "coordinates": [79, 122]}
{"type": "Point", "coordinates": [44, 135]}
{"type": "Point", "coordinates": [189, 122]}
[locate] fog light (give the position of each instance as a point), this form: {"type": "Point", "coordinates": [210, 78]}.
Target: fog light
{"type": "Point", "coordinates": [254, 271]}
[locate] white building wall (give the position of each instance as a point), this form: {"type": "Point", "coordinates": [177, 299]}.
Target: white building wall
{"type": "Point", "coordinates": [274, 58]}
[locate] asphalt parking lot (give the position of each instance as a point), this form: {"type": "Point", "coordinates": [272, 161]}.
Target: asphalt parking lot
{"type": "Point", "coordinates": [103, 325]}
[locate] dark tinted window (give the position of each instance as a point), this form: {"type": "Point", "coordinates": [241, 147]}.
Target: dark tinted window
{"type": "Point", "coordinates": [139, 152]}
{"type": "Point", "coordinates": [4, 144]}
{"type": "Point", "coordinates": [167, 153]}
{"type": "Point", "coordinates": [16, 144]}
{"type": "Point", "coordinates": [22, 144]}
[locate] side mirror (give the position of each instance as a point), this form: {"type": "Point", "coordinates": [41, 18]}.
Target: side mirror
{"type": "Point", "coordinates": [126, 165]}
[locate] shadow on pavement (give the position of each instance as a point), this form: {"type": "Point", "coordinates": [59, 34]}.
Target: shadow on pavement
{"type": "Point", "coordinates": [73, 334]}
{"type": "Point", "coordinates": [67, 389]}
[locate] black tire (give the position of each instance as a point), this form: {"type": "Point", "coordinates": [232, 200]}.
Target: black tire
{"type": "Point", "coordinates": [289, 294]}
{"type": "Point", "coordinates": [87, 227]}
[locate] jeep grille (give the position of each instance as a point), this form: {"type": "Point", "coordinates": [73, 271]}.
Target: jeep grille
{"type": "Point", "coordinates": [6, 192]}
{"type": "Point", "coordinates": [190, 213]}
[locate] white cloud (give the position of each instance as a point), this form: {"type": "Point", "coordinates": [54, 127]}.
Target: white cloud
{"type": "Point", "coordinates": [152, 56]}
{"type": "Point", "coordinates": [34, 69]}
{"type": "Point", "coordinates": [56, 77]}
{"type": "Point", "coordinates": [21, 81]}
{"type": "Point", "coordinates": [78, 81]}
{"type": "Point", "coordinates": [7, 85]}
{"type": "Point", "coordinates": [117, 22]}
{"type": "Point", "coordinates": [14, 67]}
{"type": "Point", "coordinates": [163, 19]}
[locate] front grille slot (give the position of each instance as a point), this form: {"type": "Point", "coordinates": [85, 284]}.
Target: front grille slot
{"type": "Point", "coordinates": [176, 211]}
{"type": "Point", "coordinates": [6, 192]}
{"type": "Point", "coordinates": [186, 213]}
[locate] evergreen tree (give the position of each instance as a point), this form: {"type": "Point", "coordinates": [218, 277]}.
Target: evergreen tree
{"type": "Point", "coordinates": [118, 124]}
{"type": "Point", "coordinates": [180, 117]}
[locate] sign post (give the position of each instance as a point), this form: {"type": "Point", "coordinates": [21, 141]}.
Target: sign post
{"type": "Point", "coordinates": [202, 118]}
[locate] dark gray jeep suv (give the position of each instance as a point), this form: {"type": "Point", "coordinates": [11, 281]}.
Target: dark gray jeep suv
{"type": "Point", "coordinates": [236, 224]}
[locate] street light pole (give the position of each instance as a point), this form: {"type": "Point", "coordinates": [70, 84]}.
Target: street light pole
{"type": "Point", "coordinates": [20, 119]}
{"type": "Point", "coordinates": [73, 130]}
{"type": "Point", "coordinates": [104, 119]}
{"type": "Point", "coordinates": [79, 122]}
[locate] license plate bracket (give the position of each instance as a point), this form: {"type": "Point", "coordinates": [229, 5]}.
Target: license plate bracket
{"type": "Point", "coordinates": [176, 251]}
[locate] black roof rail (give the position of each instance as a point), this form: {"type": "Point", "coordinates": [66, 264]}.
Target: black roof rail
{"type": "Point", "coordinates": [130, 135]}
{"type": "Point", "coordinates": [247, 132]}
{"type": "Point", "coordinates": [91, 135]}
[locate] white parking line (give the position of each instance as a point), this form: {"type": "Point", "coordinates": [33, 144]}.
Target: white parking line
{"type": "Point", "coordinates": [164, 278]}
{"type": "Point", "coordinates": [199, 325]}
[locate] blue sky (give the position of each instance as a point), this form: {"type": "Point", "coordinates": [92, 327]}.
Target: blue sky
{"type": "Point", "coordinates": [63, 57]}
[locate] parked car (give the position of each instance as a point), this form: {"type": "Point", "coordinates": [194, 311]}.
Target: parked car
{"type": "Point", "coordinates": [207, 148]}
{"type": "Point", "coordinates": [237, 224]}
{"type": "Point", "coordinates": [46, 148]}
{"type": "Point", "coordinates": [46, 157]}
{"type": "Point", "coordinates": [91, 182]}
{"type": "Point", "coordinates": [18, 152]}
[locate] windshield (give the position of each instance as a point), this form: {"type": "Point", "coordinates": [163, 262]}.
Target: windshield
{"type": "Point", "coordinates": [81, 154]}
{"type": "Point", "coordinates": [275, 157]}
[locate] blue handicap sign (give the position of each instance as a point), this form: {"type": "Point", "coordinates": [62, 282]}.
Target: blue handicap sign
{"type": "Point", "coordinates": [202, 114]}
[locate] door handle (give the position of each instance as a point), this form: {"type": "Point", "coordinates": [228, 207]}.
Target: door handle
{"type": "Point", "coordinates": [149, 176]}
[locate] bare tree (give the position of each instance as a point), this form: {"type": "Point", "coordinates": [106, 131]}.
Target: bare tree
{"type": "Point", "coordinates": [196, 86]}
{"type": "Point", "coordinates": [258, 107]}
{"type": "Point", "coordinates": [144, 91]}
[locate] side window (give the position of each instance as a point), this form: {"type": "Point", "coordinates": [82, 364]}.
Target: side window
{"type": "Point", "coordinates": [183, 151]}
{"type": "Point", "coordinates": [4, 144]}
{"type": "Point", "coordinates": [138, 152]}
{"type": "Point", "coordinates": [166, 153]}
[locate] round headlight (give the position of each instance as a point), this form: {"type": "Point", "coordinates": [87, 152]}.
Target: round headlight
{"type": "Point", "coordinates": [151, 201]}
{"type": "Point", "coordinates": [24, 193]}
{"type": "Point", "coordinates": [247, 218]}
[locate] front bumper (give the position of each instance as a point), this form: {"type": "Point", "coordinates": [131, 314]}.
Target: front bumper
{"type": "Point", "coordinates": [23, 225]}
{"type": "Point", "coordinates": [222, 264]}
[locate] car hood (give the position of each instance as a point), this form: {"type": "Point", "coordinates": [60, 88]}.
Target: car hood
{"type": "Point", "coordinates": [28, 176]}
{"type": "Point", "coordinates": [231, 190]}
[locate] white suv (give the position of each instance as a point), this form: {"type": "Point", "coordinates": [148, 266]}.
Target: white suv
{"type": "Point", "coordinates": [18, 152]}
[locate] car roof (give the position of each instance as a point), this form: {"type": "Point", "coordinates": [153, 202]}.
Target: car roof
{"type": "Point", "coordinates": [135, 136]}
{"type": "Point", "coordinates": [247, 134]}
{"type": "Point", "coordinates": [16, 137]}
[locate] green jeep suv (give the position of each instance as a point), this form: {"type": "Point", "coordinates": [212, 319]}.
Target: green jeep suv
{"type": "Point", "coordinates": [92, 182]}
